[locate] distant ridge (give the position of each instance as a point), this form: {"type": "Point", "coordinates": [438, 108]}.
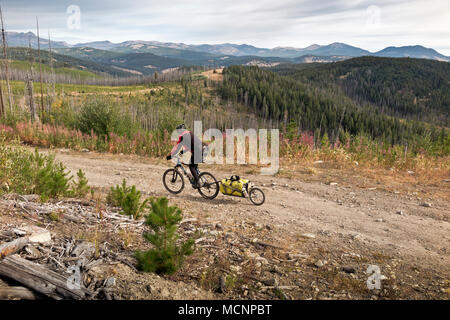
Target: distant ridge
{"type": "Point", "coordinates": [180, 50]}
{"type": "Point", "coordinates": [412, 52]}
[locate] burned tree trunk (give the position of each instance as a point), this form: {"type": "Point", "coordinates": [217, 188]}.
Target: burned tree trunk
{"type": "Point", "coordinates": [40, 69]}
{"type": "Point", "coordinates": [29, 86]}
{"type": "Point", "coordinates": [51, 88]}
{"type": "Point", "coordinates": [2, 104]}
{"type": "Point", "coordinates": [29, 93]}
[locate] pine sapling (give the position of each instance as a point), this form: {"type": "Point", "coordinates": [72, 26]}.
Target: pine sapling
{"type": "Point", "coordinates": [168, 255]}
{"type": "Point", "coordinates": [51, 178]}
{"type": "Point", "coordinates": [117, 194]}
{"type": "Point", "coordinates": [81, 188]}
{"type": "Point", "coordinates": [131, 203]}
{"type": "Point", "coordinates": [127, 198]}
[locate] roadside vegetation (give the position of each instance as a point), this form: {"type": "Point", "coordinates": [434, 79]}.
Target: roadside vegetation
{"type": "Point", "coordinates": [26, 172]}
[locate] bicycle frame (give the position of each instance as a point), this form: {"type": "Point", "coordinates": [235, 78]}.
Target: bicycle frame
{"type": "Point", "coordinates": [181, 165]}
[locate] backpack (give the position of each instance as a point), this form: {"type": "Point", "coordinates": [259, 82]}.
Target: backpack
{"type": "Point", "coordinates": [235, 186]}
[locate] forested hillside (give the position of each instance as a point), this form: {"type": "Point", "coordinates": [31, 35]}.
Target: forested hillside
{"type": "Point", "coordinates": [148, 59]}
{"type": "Point", "coordinates": [62, 61]}
{"type": "Point", "coordinates": [409, 88]}
{"type": "Point", "coordinates": [310, 107]}
{"type": "Point", "coordinates": [143, 63]}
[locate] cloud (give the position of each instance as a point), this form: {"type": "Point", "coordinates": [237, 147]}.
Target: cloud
{"type": "Point", "coordinates": [372, 25]}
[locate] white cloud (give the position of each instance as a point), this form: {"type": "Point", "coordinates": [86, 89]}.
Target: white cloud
{"type": "Point", "coordinates": [371, 25]}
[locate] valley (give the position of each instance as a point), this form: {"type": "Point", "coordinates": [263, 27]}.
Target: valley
{"type": "Point", "coordinates": [363, 181]}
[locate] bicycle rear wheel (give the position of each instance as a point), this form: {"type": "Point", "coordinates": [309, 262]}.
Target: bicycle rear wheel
{"type": "Point", "coordinates": [173, 181]}
{"type": "Point", "coordinates": [208, 186]}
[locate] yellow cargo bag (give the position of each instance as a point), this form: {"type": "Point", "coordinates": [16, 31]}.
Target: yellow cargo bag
{"type": "Point", "coordinates": [233, 186]}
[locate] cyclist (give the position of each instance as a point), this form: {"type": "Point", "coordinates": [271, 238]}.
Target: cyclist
{"type": "Point", "coordinates": [187, 141]}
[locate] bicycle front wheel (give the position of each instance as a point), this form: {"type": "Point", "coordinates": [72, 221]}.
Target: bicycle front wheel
{"type": "Point", "coordinates": [173, 181]}
{"type": "Point", "coordinates": [208, 186]}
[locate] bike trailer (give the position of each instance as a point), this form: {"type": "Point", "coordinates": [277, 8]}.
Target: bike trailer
{"type": "Point", "coordinates": [235, 186]}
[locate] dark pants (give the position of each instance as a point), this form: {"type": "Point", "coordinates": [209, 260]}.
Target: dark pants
{"type": "Point", "coordinates": [193, 167]}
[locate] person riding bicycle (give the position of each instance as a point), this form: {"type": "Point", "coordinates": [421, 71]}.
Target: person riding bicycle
{"type": "Point", "coordinates": [187, 141]}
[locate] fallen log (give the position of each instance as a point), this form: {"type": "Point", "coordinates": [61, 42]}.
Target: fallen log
{"type": "Point", "coordinates": [12, 247]}
{"type": "Point", "coordinates": [40, 279]}
{"type": "Point", "coordinates": [16, 293]}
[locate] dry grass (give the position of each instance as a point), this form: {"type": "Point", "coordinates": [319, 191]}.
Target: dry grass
{"type": "Point", "coordinates": [214, 76]}
{"type": "Point", "coordinates": [128, 237]}
{"type": "Point", "coordinates": [340, 281]}
{"type": "Point", "coordinates": [430, 174]}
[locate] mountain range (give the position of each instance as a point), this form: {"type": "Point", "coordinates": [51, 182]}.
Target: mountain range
{"type": "Point", "coordinates": [166, 48]}
{"type": "Point", "coordinates": [146, 57]}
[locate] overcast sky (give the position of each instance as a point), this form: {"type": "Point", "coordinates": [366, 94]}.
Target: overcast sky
{"type": "Point", "coordinates": [372, 25]}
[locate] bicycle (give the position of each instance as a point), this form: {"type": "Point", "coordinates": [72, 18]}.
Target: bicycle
{"type": "Point", "coordinates": [173, 181]}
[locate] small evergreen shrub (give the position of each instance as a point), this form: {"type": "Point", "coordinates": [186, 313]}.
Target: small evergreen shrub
{"type": "Point", "coordinates": [168, 255]}
{"type": "Point", "coordinates": [51, 179]}
{"type": "Point", "coordinates": [80, 188]}
{"type": "Point", "coordinates": [117, 194]}
{"type": "Point", "coordinates": [131, 204]}
{"type": "Point", "coordinates": [128, 198]}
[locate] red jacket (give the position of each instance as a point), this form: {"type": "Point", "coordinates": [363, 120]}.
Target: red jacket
{"type": "Point", "coordinates": [189, 142]}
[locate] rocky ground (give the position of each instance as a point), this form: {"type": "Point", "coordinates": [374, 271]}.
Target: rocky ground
{"type": "Point", "coordinates": [312, 239]}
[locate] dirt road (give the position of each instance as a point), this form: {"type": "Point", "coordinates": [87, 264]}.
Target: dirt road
{"type": "Point", "coordinates": [406, 236]}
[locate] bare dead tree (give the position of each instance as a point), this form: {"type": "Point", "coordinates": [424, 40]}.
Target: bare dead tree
{"type": "Point", "coordinates": [40, 67]}
{"type": "Point", "coordinates": [2, 103]}
{"type": "Point", "coordinates": [29, 86]}
{"type": "Point", "coordinates": [6, 63]}
{"type": "Point", "coordinates": [52, 71]}
{"type": "Point", "coordinates": [2, 100]}
{"type": "Point", "coordinates": [29, 92]}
